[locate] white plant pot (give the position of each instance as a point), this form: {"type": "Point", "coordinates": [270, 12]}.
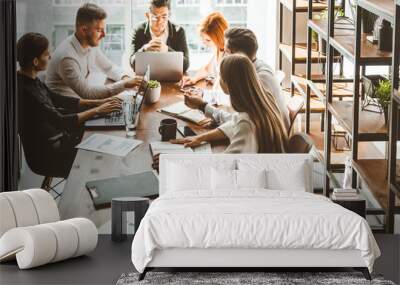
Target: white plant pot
{"type": "Point", "coordinates": [153, 95]}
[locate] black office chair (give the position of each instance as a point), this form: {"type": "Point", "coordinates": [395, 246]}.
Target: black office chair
{"type": "Point", "coordinates": [42, 168]}
{"type": "Point", "coordinates": [300, 143]}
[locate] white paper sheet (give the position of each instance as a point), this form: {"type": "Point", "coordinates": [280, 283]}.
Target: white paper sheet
{"type": "Point", "coordinates": [167, 147]}
{"type": "Point", "coordinates": [109, 144]}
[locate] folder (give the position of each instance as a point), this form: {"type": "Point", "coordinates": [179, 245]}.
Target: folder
{"type": "Point", "coordinates": [137, 185]}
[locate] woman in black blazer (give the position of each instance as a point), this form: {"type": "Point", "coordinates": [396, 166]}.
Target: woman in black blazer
{"type": "Point", "coordinates": [50, 125]}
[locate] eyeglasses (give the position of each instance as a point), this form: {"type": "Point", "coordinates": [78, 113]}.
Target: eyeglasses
{"type": "Point", "coordinates": [155, 18]}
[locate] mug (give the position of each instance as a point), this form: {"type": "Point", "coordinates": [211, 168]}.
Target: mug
{"type": "Point", "coordinates": [168, 129]}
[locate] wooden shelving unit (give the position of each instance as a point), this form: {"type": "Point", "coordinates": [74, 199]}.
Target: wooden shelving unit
{"type": "Point", "coordinates": [294, 52]}
{"type": "Point", "coordinates": [378, 175]}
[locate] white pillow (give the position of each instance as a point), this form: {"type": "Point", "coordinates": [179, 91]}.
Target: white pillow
{"type": "Point", "coordinates": [188, 177]}
{"type": "Point", "coordinates": [225, 179]}
{"type": "Point", "coordinates": [288, 173]}
{"type": "Point", "coordinates": [251, 179]}
{"type": "Point", "coordinates": [290, 179]}
{"type": "Point", "coordinates": [195, 174]}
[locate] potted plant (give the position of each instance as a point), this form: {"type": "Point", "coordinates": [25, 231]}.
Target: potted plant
{"type": "Point", "coordinates": [339, 13]}
{"type": "Point", "coordinates": [153, 91]}
{"type": "Point", "coordinates": [383, 94]}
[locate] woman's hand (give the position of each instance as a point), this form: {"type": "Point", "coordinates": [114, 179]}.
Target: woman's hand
{"type": "Point", "coordinates": [133, 82]}
{"type": "Point", "coordinates": [188, 141]}
{"type": "Point", "coordinates": [110, 105]}
{"type": "Point", "coordinates": [187, 81]}
{"type": "Point", "coordinates": [194, 101]}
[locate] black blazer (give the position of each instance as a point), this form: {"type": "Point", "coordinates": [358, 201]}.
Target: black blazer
{"type": "Point", "coordinates": [176, 41]}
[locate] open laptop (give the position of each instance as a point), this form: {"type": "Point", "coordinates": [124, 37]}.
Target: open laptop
{"type": "Point", "coordinates": [116, 119]}
{"type": "Point", "coordinates": [164, 66]}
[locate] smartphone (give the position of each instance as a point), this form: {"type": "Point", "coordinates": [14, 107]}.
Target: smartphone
{"type": "Point", "coordinates": [186, 131]}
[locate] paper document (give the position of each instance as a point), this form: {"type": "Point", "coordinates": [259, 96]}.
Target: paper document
{"type": "Point", "coordinates": [167, 147]}
{"type": "Point", "coordinates": [203, 148]}
{"type": "Point", "coordinates": [109, 144]}
{"type": "Point", "coordinates": [181, 111]}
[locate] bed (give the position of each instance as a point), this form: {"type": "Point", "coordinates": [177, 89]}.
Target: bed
{"type": "Point", "coordinates": [247, 211]}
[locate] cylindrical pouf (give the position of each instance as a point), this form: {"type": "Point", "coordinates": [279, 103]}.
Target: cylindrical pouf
{"type": "Point", "coordinates": [67, 239]}
{"type": "Point", "coordinates": [87, 235]}
{"type": "Point", "coordinates": [34, 246]}
{"type": "Point", "coordinates": [23, 208]}
{"type": "Point", "coordinates": [26, 208]}
{"type": "Point", "coordinates": [45, 205]}
{"type": "Point", "coordinates": [7, 218]}
{"type": "Point", "coordinates": [37, 245]}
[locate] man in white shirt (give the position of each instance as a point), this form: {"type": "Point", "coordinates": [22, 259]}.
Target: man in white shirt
{"type": "Point", "coordinates": [242, 40]}
{"type": "Point", "coordinates": [79, 56]}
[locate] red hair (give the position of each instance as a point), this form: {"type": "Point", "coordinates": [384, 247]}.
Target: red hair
{"type": "Point", "coordinates": [214, 25]}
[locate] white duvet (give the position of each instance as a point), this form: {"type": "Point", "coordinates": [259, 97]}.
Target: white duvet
{"type": "Point", "coordinates": [250, 219]}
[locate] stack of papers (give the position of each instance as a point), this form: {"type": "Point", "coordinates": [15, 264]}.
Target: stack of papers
{"type": "Point", "coordinates": [345, 194]}
{"type": "Point", "coordinates": [181, 111]}
{"type": "Point", "coordinates": [109, 144]}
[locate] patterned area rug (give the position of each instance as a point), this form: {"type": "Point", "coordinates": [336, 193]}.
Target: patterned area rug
{"type": "Point", "coordinates": [243, 278]}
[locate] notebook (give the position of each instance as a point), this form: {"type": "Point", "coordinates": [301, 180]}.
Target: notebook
{"type": "Point", "coordinates": [137, 185]}
{"type": "Point", "coordinates": [181, 111]}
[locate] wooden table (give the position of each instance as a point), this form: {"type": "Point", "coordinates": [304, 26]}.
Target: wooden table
{"type": "Point", "coordinates": [76, 201]}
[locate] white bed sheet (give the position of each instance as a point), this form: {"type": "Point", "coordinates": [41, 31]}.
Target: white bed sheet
{"type": "Point", "coordinates": [253, 218]}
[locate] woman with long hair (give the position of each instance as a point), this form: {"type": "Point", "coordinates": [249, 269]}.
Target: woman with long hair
{"type": "Point", "coordinates": [257, 127]}
{"type": "Point", "coordinates": [212, 30]}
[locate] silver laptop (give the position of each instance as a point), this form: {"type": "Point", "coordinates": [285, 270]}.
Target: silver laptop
{"type": "Point", "coordinates": [116, 119]}
{"type": "Point", "coordinates": [164, 66]}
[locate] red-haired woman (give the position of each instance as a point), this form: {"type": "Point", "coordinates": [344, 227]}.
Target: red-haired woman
{"type": "Point", "coordinates": [212, 31]}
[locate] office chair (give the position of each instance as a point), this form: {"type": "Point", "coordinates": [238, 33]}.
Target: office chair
{"type": "Point", "coordinates": [41, 168]}
{"type": "Point", "coordinates": [300, 143]}
{"type": "Point", "coordinates": [294, 105]}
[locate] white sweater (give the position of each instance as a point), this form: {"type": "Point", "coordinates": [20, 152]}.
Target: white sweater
{"type": "Point", "coordinates": [268, 81]}
{"type": "Point", "coordinates": [241, 133]}
{"type": "Point", "coordinates": [70, 67]}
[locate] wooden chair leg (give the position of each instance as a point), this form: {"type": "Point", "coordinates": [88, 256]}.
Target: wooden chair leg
{"type": "Point", "coordinates": [46, 184]}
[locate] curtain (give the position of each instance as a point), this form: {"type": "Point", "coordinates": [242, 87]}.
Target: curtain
{"type": "Point", "coordinates": [9, 147]}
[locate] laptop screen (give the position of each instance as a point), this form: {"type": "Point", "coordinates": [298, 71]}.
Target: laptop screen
{"type": "Point", "coordinates": [142, 91]}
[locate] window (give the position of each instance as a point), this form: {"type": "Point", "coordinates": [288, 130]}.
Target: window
{"type": "Point", "coordinates": [227, 3]}
{"type": "Point", "coordinates": [80, 2]}
{"type": "Point", "coordinates": [188, 3]}
{"type": "Point", "coordinates": [58, 17]}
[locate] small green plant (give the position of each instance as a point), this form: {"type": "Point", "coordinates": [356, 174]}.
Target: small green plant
{"type": "Point", "coordinates": [339, 12]}
{"type": "Point", "coordinates": [383, 93]}
{"type": "Point", "coordinates": [153, 84]}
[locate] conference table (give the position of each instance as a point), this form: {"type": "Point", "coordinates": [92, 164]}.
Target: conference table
{"type": "Point", "coordinates": [88, 166]}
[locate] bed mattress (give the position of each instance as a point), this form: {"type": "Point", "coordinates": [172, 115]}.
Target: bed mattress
{"type": "Point", "coordinates": [250, 219]}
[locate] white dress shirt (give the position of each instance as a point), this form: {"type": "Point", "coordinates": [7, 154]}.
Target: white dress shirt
{"type": "Point", "coordinates": [70, 67]}
{"type": "Point", "coordinates": [268, 81]}
{"type": "Point", "coordinates": [241, 133]}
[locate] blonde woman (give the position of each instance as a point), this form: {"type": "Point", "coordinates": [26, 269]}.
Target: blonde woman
{"type": "Point", "coordinates": [257, 127]}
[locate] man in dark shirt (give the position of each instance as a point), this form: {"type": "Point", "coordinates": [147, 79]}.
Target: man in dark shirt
{"type": "Point", "coordinates": [50, 125]}
{"type": "Point", "coordinates": [159, 34]}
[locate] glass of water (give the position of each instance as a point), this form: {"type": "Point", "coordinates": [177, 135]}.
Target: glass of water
{"type": "Point", "coordinates": [129, 117]}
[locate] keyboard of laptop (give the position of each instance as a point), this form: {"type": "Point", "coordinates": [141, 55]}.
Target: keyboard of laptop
{"type": "Point", "coordinates": [115, 118]}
